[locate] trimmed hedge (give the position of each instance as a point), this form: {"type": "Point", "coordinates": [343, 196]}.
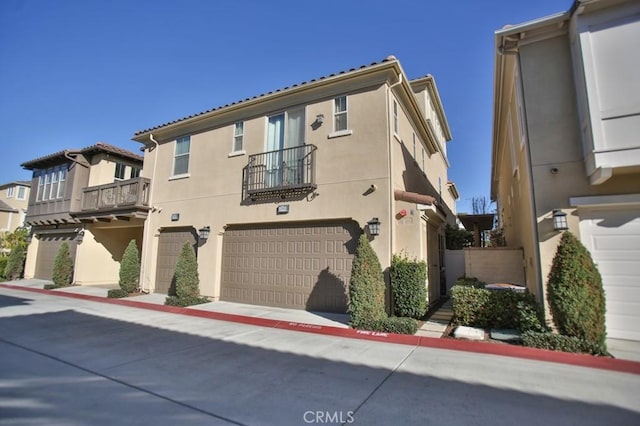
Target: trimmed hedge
{"type": "Point", "coordinates": [558, 342]}
{"type": "Point", "coordinates": [398, 325]}
{"type": "Point", "coordinates": [130, 268]}
{"type": "Point", "coordinates": [15, 263]}
{"type": "Point", "coordinates": [117, 293]}
{"type": "Point", "coordinates": [185, 301]}
{"type": "Point", "coordinates": [477, 307]}
{"type": "Point", "coordinates": [366, 286]}
{"type": "Point", "coordinates": [575, 293]}
{"type": "Point", "coordinates": [408, 279]}
{"type": "Point", "coordinates": [470, 282]}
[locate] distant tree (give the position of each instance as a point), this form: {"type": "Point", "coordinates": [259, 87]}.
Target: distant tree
{"type": "Point", "coordinates": [481, 205]}
{"type": "Point", "coordinates": [17, 238]}
{"type": "Point", "coordinates": [457, 239]}
{"type": "Point", "coordinates": [62, 267]}
{"type": "Point", "coordinates": [130, 268]}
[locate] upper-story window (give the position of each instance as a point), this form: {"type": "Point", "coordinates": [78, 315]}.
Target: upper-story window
{"type": "Point", "coordinates": [395, 117]}
{"type": "Point", "coordinates": [135, 172]}
{"type": "Point", "coordinates": [51, 183]}
{"type": "Point", "coordinates": [423, 161]}
{"type": "Point", "coordinates": [10, 192]}
{"type": "Point", "coordinates": [238, 136]}
{"type": "Point", "coordinates": [340, 114]}
{"type": "Point", "coordinates": [414, 146]}
{"type": "Point", "coordinates": [120, 169]}
{"type": "Point", "coordinates": [22, 193]}
{"type": "Point", "coordinates": [181, 156]}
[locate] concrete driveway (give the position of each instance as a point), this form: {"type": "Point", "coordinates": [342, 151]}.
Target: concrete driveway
{"type": "Point", "coordinates": [77, 362]}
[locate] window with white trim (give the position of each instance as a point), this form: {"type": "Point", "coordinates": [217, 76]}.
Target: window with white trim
{"type": "Point", "coordinates": [238, 136]}
{"type": "Point", "coordinates": [340, 114]}
{"type": "Point", "coordinates": [10, 192]}
{"type": "Point", "coordinates": [22, 193]}
{"type": "Point", "coordinates": [62, 181]}
{"type": "Point", "coordinates": [47, 186]}
{"type": "Point", "coordinates": [135, 172]}
{"type": "Point", "coordinates": [54, 185]}
{"type": "Point", "coordinates": [40, 187]}
{"type": "Point", "coordinates": [181, 156]}
{"type": "Point", "coordinates": [395, 117]}
{"type": "Point", "coordinates": [120, 169]}
{"type": "Point", "coordinates": [424, 169]}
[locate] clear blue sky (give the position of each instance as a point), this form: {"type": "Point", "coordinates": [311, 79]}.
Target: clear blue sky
{"type": "Point", "coordinates": [73, 73]}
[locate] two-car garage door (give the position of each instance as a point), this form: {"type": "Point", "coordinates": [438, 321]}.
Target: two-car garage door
{"type": "Point", "coordinates": [612, 235]}
{"type": "Point", "coordinates": [300, 266]}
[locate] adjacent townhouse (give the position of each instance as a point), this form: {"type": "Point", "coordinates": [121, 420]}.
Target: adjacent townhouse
{"type": "Point", "coordinates": [274, 191]}
{"type": "Point", "coordinates": [92, 198]}
{"type": "Point", "coordinates": [566, 146]}
{"type": "Point", "coordinates": [14, 198]}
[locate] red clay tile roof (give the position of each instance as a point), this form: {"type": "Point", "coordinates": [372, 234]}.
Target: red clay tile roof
{"type": "Point", "coordinates": [90, 150]}
{"type": "Point", "coordinates": [387, 59]}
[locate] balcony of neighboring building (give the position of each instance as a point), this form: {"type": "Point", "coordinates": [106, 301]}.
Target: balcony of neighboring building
{"type": "Point", "coordinates": [119, 200]}
{"type": "Point", "coordinates": [283, 173]}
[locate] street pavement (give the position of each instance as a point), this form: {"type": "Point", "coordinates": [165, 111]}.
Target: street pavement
{"type": "Point", "coordinates": [67, 361]}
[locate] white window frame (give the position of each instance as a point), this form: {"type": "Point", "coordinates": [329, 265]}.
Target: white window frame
{"type": "Point", "coordinates": [10, 192]}
{"type": "Point", "coordinates": [424, 168]}
{"type": "Point", "coordinates": [176, 156]}
{"type": "Point", "coordinates": [123, 169]}
{"type": "Point", "coordinates": [40, 189]}
{"type": "Point", "coordinates": [62, 182]}
{"type": "Point", "coordinates": [337, 114]}
{"type": "Point", "coordinates": [53, 192]}
{"type": "Point", "coordinates": [24, 193]}
{"type": "Point", "coordinates": [396, 124]}
{"type": "Point", "coordinates": [415, 152]}
{"type": "Point", "coordinates": [135, 172]}
{"type": "Point", "coordinates": [47, 186]}
{"type": "Point", "coordinates": [237, 137]}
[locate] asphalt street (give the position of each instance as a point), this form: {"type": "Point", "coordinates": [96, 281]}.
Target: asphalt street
{"type": "Point", "coordinates": [65, 361]}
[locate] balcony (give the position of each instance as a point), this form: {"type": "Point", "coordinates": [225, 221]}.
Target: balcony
{"type": "Point", "coordinates": [118, 200]}
{"type": "Point", "coordinates": [283, 173]}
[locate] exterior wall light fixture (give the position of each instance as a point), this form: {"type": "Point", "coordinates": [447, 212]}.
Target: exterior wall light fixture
{"type": "Point", "coordinates": [203, 233]}
{"type": "Point", "coordinates": [320, 118]}
{"type": "Point", "coordinates": [80, 236]}
{"type": "Point", "coordinates": [374, 226]}
{"type": "Point", "coordinates": [560, 220]}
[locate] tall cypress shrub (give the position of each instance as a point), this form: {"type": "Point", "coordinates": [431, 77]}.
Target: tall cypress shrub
{"type": "Point", "coordinates": [14, 264]}
{"type": "Point", "coordinates": [575, 293]}
{"type": "Point", "coordinates": [130, 268]}
{"type": "Point", "coordinates": [187, 280]}
{"type": "Point", "coordinates": [366, 286]}
{"type": "Point", "coordinates": [62, 267]}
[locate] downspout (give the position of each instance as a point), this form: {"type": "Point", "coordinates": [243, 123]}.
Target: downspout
{"type": "Point", "coordinates": [147, 228]}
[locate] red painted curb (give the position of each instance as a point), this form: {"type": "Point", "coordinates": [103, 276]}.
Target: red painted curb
{"type": "Point", "coordinates": [582, 360]}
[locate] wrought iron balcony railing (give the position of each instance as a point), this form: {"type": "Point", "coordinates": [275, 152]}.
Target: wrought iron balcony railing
{"type": "Point", "coordinates": [284, 172]}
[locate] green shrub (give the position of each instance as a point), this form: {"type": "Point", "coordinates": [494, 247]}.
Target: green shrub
{"type": "Point", "coordinates": [187, 280]}
{"type": "Point", "coordinates": [3, 265]}
{"type": "Point", "coordinates": [366, 286]}
{"type": "Point", "coordinates": [457, 239]}
{"type": "Point", "coordinates": [130, 268]}
{"type": "Point", "coordinates": [470, 282]}
{"type": "Point", "coordinates": [117, 293]}
{"type": "Point", "coordinates": [557, 342]}
{"type": "Point", "coordinates": [479, 307]}
{"type": "Point", "coordinates": [398, 325]}
{"type": "Point", "coordinates": [408, 279]}
{"type": "Point", "coordinates": [15, 263]}
{"type": "Point", "coordinates": [62, 267]}
{"type": "Point", "coordinates": [176, 301]}
{"type": "Point", "coordinates": [575, 293]}
{"type": "Point", "coordinates": [50, 286]}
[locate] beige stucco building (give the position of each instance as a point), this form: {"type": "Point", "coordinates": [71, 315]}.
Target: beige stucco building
{"type": "Point", "coordinates": [14, 198]}
{"type": "Point", "coordinates": [285, 182]}
{"type": "Point", "coordinates": [565, 137]}
{"type": "Point", "coordinates": [93, 199]}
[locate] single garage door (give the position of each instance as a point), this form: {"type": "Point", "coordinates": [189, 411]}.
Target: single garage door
{"type": "Point", "coordinates": [48, 246]}
{"type": "Point", "coordinates": [612, 235]}
{"type": "Point", "coordinates": [299, 266]}
{"type": "Point", "coordinates": [170, 245]}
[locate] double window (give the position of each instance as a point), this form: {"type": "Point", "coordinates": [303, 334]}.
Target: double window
{"type": "Point", "coordinates": [22, 193]}
{"type": "Point", "coordinates": [181, 156]}
{"type": "Point", "coordinates": [10, 192]}
{"type": "Point", "coordinates": [135, 172]}
{"type": "Point", "coordinates": [51, 183]}
{"type": "Point", "coordinates": [119, 174]}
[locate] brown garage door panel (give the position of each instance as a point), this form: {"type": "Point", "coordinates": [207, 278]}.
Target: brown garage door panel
{"type": "Point", "coordinates": [48, 246]}
{"type": "Point", "coordinates": [169, 247]}
{"type": "Point", "coordinates": [302, 266]}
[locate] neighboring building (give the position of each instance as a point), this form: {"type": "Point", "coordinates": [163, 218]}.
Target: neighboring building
{"type": "Point", "coordinates": [286, 181]}
{"type": "Point", "coordinates": [566, 137]}
{"type": "Point", "coordinates": [14, 198]}
{"type": "Point", "coordinates": [92, 198]}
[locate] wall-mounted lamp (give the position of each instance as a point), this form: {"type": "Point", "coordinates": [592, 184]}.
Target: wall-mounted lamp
{"type": "Point", "coordinates": [203, 233]}
{"type": "Point", "coordinates": [374, 226]}
{"type": "Point", "coordinates": [320, 118]}
{"type": "Point", "coordinates": [29, 237]}
{"type": "Point", "coordinates": [560, 220]}
{"type": "Point", "coordinates": [80, 236]}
